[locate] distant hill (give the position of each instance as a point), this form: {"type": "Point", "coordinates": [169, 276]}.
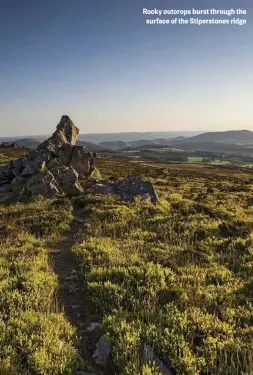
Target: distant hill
{"type": "Point", "coordinates": [231, 136]}
{"type": "Point", "coordinates": [94, 147]}
{"type": "Point", "coordinates": [115, 145]}
{"type": "Point", "coordinates": [134, 136]}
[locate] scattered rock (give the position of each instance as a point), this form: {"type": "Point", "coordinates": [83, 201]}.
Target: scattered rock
{"type": "Point", "coordinates": [102, 352]}
{"type": "Point", "coordinates": [149, 356]}
{"type": "Point", "coordinates": [75, 306]}
{"type": "Point", "coordinates": [79, 221]}
{"type": "Point", "coordinates": [92, 326]}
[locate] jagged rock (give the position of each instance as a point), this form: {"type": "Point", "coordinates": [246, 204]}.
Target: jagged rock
{"type": "Point", "coordinates": [149, 356]}
{"type": "Point", "coordinates": [102, 351]}
{"type": "Point", "coordinates": [18, 165]}
{"type": "Point", "coordinates": [33, 167]}
{"type": "Point", "coordinates": [58, 155]}
{"type": "Point", "coordinates": [82, 161]}
{"type": "Point", "coordinates": [67, 178]}
{"type": "Point", "coordinates": [54, 163]}
{"type": "Point", "coordinates": [66, 132]}
{"type": "Point", "coordinates": [133, 186]}
{"type": "Point", "coordinates": [43, 183]}
{"type": "Point", "coordinates": [64, 154]}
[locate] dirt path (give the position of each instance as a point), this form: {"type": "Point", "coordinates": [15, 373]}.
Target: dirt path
{"type": "Point", "coordinates": [70, 294]}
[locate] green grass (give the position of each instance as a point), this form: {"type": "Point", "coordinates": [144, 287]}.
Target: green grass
{"type": "Point", "coordinates": [35, 337]}
{"type": "Point", "coordinates": [177, 275]}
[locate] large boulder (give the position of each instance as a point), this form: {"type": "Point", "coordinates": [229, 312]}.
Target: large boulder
{"type": "Point", "coordinates": [64, 153]}
{"type": "Point", "coordinates": [66, 133]}
{"type": "Point", "coordinates": [102, 351]}
{"type": "Point", "coordinates": [82, 161]}
{"type": "Point", "coordinates": [132, 186]}
{"type": "Point", "coordinates": [67, 178]}
{"type": "Point", "coordinates": [43, 183]}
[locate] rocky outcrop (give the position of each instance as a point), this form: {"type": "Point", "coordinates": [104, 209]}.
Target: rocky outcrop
{"type": "Point", "coordinates": [55, 167]}
{"type": "Point", "coordinates": [128, 188]}
{"type": "Point", "coordinates": [9, 144]}
{"type": "Point", "coordinates": [66, 133]}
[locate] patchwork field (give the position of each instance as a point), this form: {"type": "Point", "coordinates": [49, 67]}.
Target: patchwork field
{"type": "Point", "coordinates": [173, 278]}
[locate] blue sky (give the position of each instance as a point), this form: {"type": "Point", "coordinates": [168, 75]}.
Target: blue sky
{"type": "Point", "coordinates": [98, 62]}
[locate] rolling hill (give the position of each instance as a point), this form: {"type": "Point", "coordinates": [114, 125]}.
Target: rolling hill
{"type": "Point", "coordinates": [231, 136]}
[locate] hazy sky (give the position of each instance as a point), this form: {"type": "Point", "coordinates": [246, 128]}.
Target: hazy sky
{"type": "Point", "coordinates": [98, 62]}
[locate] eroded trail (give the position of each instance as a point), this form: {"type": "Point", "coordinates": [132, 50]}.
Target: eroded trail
{"type": "Point", "coordinates": [70, 294]}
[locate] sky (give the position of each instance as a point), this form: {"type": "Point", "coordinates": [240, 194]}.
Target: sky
{"type": "Point", "coordinates": [99, 62]}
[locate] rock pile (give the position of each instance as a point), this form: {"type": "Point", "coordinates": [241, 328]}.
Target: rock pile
{"type": "Point", "coordinates": [57, 166]}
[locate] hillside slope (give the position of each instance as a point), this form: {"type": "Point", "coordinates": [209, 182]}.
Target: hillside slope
{"type": "Point", "coordinates": [231, 136]}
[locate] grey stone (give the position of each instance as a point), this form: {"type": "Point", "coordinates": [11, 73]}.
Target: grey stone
{"type": "Point", "coordinates": [132, 186]}
{"type": "Point", "coordinates": [66, 132]}
{"type": "Point", "coordinates": [64, 154]}
{"type": "Point", "coordinates": [67, 178]}
{"type": "Point", "coordinates": [102, 352]}
{"type": "Point", "coordinates": [43, 183]}
{"type": "Point", "coordinates": [28, 170]}
{"type": "Point", "coordinates": [92, 326]}
{"type": "Point", "coordinates": [54, 163]}
{"type": "Point", "coordinates": [82, 161]}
